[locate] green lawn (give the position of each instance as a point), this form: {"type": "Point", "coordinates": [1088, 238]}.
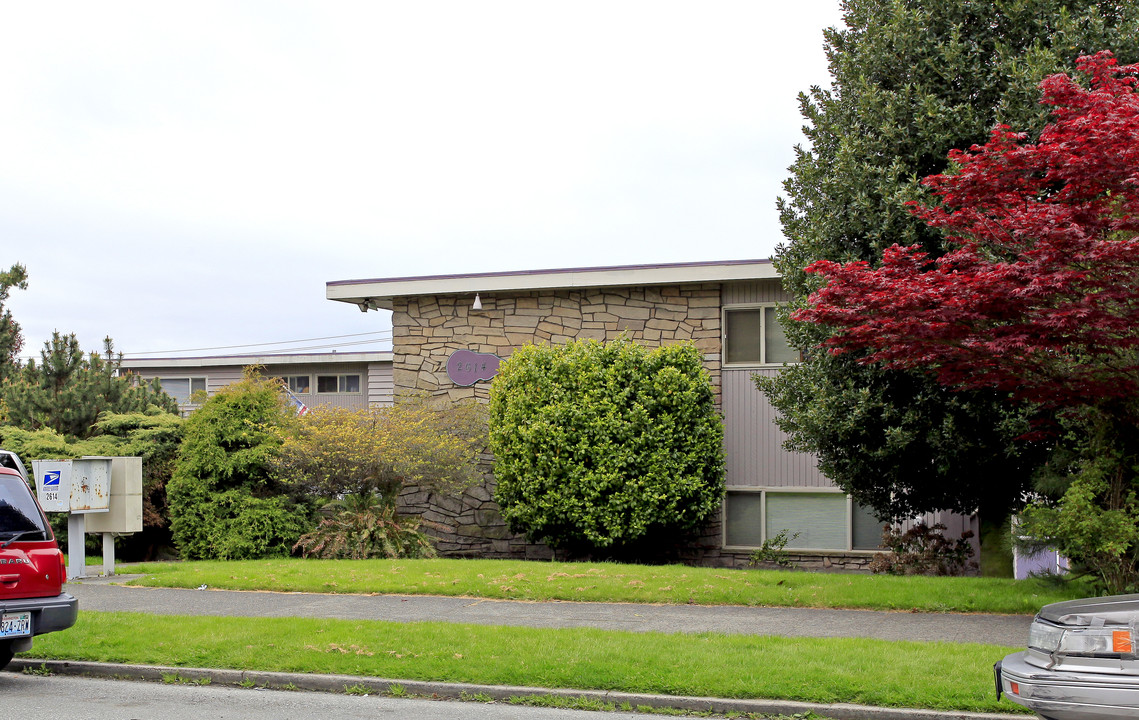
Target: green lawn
{"type": "Point", "coordinates": [945, 676]}
{"type": "Point", "coordinates": [612, 582]}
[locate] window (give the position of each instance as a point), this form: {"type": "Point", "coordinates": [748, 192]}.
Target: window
{"type": "Point", "coordinates": [338, 383]}
{"type": "Point", "coordinates": [753, 336]}
{"type": "Point", "coordinates": [297, 384]}
{"type": "Point", "coordinates": [19, 513]}
{"type": "Point", "coordinates": [182, 389]}
{"type": "Point", "coordinates": [814, 521]}
{"type": "Point", "coordinates": [821, 520]}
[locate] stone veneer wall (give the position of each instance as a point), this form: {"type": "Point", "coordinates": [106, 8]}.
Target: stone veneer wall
{"type": "Point", "coordinates": [427, 329]}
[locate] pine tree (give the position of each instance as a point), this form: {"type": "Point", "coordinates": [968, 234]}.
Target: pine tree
{"type": "Point", "coordinates": [11, 339]}
{"type": "Point", "coordinates": [68, 389]}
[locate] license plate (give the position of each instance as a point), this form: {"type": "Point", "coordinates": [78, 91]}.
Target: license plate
{"type": "Point", "coordinates": [15, 624]}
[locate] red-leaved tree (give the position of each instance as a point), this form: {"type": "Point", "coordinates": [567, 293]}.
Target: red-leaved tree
{"type": "Point", "coordinates": [1040, 295]}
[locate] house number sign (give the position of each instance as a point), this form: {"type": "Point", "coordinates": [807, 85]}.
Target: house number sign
{"type": "Point", "coordinates": [467, 368]}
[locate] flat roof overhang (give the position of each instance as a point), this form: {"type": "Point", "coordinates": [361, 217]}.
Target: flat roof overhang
{"type": "Point", "coordinates": [378, 293]}
{"type": "Point", "coordinates": [262, 359]}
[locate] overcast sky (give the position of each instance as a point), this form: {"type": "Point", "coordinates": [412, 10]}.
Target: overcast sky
{"type": "Point", "coordinates": [188, 176]}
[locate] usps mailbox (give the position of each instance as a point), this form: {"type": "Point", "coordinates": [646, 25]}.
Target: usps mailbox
{"type": "Point", "coordinates": [77, 486]}
{"type": "Point", "coordinates": [99, 494]}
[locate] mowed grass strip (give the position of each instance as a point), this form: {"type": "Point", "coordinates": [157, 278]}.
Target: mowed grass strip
{"type": "Point", "coordinates": [613, 582]}
{"type": "Point", "coordinates": [944, 676]}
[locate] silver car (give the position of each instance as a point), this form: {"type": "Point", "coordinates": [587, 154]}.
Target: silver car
{"type": "Point", "coordinates": [1082, 661]}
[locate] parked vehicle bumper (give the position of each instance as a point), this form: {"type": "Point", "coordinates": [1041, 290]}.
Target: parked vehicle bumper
{"type": "Point", "coordinates": [1068, 695]}
{"type": "Point", "coordinates": [48, 614]}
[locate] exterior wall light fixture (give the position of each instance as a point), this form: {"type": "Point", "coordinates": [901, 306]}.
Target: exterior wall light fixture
{"type": "Point", "coordinates": [477, 305]}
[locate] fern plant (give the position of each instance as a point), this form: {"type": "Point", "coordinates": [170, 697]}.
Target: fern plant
{"type": "Point", "coordinates": [364, 525]}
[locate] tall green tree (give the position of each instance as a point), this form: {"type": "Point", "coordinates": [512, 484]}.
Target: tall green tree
{"type": "Point", "coordinates": [225, 499]}
{"type": "Point", "coordinates": [11, 339]}
{"type": "Point", "coordinates": [912, 79]}
{"type": "Point", "coordinates": [1038, 296]}
{"type": "Point", "coordinates": [69, 389]}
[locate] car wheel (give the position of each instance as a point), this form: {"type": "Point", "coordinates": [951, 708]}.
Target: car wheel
{"type": "Point", "coordinates": [7, 650]}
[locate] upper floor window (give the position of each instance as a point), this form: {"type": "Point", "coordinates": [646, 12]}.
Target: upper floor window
{"type": "Point", "coordinates": [338, 383]}
{"type": "Point", "coordinates": [754, 336]}
{"type": "Point", "coordinates": [297, 384]}
{"type": "Point", "coordinates": [182, 389]}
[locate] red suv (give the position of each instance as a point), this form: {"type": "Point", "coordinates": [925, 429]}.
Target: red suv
{"type": "Point", "coordinates": [32, 569]}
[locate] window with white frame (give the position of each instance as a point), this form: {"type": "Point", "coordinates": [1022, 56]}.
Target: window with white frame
{"type": "Point", "coordinates": [298, 384]}
{"type": "Point", "coordinates": [753, 335]}
{"type": "Point", "coordinates": [182, 389]}
{"type": "Point", "coordinates": [338, 383]}
{"type": "Point", "coordinates": [824, 521]}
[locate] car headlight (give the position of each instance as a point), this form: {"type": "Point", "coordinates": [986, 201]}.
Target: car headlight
{"type": "Point", "coordinates": [1082, 640]}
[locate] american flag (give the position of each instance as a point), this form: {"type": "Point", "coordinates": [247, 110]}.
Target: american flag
{"type": "Point", "coordinates": [302, 409]}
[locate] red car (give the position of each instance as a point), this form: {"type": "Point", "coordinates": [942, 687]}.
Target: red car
{"type": "Point", "coordinates": [32, 569]}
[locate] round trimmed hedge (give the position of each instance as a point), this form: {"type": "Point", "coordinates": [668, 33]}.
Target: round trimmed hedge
{"type": "Point", "coordinates": [606, 447]}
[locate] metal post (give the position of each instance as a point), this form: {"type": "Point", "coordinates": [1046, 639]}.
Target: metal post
{"type": "Point", "coordinates": [76, 554]}
{"type": "Point", "coordinates": [108, 554]}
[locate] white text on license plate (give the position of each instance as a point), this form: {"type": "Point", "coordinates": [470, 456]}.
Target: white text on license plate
{"type": "Point", "coordinates": [15, 624]}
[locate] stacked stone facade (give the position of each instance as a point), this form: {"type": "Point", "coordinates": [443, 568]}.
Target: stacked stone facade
{"type": "Point", "coordinates": [427, 329]}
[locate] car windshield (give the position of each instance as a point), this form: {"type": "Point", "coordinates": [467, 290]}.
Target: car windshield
{"type": "Point", "coordinates": [19, 514]}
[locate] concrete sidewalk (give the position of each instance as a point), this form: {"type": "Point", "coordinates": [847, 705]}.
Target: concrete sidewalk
{"type": "Point", "coordinates": [1010, 630]}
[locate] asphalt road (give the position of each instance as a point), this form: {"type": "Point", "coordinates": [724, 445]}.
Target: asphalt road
{"type": "Point", "coordinates": [1009, 630]}
{"type": "Point", "coordinates": [32, 697]}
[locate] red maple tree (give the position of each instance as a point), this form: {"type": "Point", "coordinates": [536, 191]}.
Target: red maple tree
{"type": "Point", "coordinates": [1039, 293]}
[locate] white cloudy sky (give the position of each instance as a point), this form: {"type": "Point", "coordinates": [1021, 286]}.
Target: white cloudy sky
{"type": "Point", "coordinates": [189, 175]}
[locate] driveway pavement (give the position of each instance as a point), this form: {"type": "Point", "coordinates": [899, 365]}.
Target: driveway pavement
{"type": "Point", "coordinates": [1010, 630]}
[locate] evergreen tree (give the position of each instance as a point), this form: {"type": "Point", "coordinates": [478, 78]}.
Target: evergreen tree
{"type": "Point", "coordinates": [11, 339]}
{"type": "Point", "coordinates": [68, 389]}
{"type": "Point", "coordinates": [912, 79]}
{"type": "Point", "coordinates": [225, 499]}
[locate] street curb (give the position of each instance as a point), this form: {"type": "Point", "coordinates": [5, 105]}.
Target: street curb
{"type": "Point", "coordinates": [445, 690]}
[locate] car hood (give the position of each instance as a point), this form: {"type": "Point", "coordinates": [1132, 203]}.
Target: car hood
{"type": "Point", "coordinates": [1115, 610]}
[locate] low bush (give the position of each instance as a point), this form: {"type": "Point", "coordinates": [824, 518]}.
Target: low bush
{"type": "Point", "coordinates": [924, 550]}
{"type": "Point", "coordinates": [364, 526]}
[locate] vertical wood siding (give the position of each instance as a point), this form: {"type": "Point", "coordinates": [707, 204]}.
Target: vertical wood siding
{"type": "Point", "coordinates": [753, 442]}
{"type": "Point", "coordinates": [217, 377]}
{"type": "Point", "coordinates": [955, 526]}
{"type": "Point", "coordinates": [755, 291]}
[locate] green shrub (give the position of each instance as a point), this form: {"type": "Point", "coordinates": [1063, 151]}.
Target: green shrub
{"type": "Point", "coordinates": [153, 435]}
{"type": "Point", "coordinates": [225, 501]}
{"type": "Point", "coordinates": [365, 525]}
{"type": "Point", "coordinates": [1095, 521]}
{"type": "Point", "coordinates": [924, 550]}
{"type": "Point", "coordinates": [606, 448]}
{"type": "Point", "coordinates": [773, 551]}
